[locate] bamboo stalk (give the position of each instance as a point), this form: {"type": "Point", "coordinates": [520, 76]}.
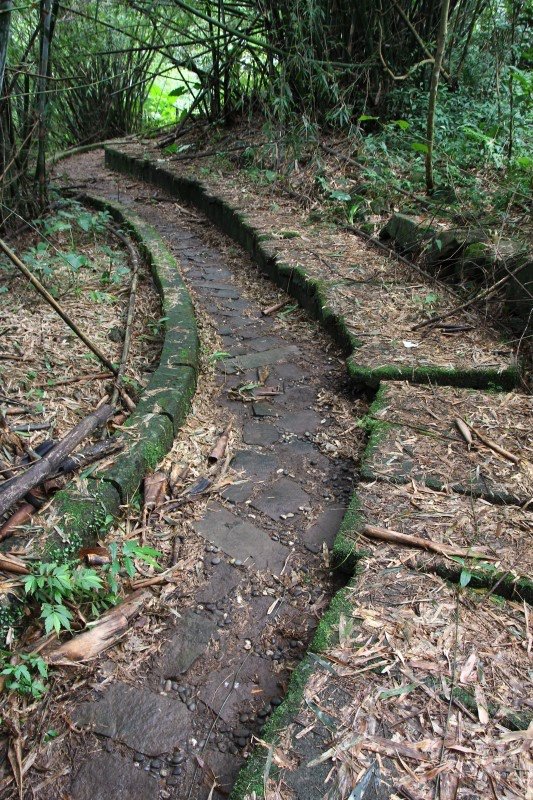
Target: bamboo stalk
{"type": "Point", "coordinates": [395, 537]}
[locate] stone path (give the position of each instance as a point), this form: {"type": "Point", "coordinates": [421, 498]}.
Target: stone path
{"type": "Point", "coordinates": [224, 665]}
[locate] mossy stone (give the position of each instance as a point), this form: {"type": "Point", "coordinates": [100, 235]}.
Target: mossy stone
{"type": "Point", "coordinates": [153, 437]}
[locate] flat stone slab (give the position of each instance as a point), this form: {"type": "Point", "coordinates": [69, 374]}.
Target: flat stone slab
{"type": "Point", "coordinates": [323, 530]}
{"type": "Point", "coordinates": [260, 433]}
{"type": "Point", "coordinates": [241, 540]}
{"type": "Point", "coordinates": [107, 776]}
{"type": "Point", "coordinates": [222, 581]}
{"type": "Point", "coordinates": [297, 397]}
{"type": "Point", "coordinates": [264, 343]}
{"type": "Point", "coordinates": [299, 422]}
{"type": "Point", "coordinates": [147, 722]}
{"type": "Point", "coordinates": [282, 497]}
{"type": "Point", "coordinates": [257, 465]}
{"type": "Point", "coordinates": [415, 438]}
{"type": "Point", "coordinates": [238, 492]}
{"type": "Point", "coordinates": [264, 409]}
{"type": "Point", "coordinates": [189, 640]}
{"type": "Point", "coordinates": [264, 358]}
{"type": "Point", "coordinates": [232, 688]}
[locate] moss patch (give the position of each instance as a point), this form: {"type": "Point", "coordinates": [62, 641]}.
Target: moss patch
{"type": "Point", "coordinates": [150, 429]}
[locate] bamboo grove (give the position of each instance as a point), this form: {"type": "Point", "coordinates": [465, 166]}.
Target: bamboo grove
{"type": "Point", "coordinates": [76, 71]}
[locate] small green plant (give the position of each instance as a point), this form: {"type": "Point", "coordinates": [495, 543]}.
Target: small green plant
{"type": "Point", "coordinates": [58, 588]}
{"type": "Point", "coordinates": [56, 591]}
{"type": "Point", "coordinates": [27, 676]}
{"type": "Point", "coordinates": [124, 561]}
{"type": "Point", "coordinates": [52, 586]}
{"type": "Point", "coordinates": [218, 355]}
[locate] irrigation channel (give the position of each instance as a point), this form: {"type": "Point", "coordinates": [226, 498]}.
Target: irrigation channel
{"type": "Point", "coordinates": [225, 652]}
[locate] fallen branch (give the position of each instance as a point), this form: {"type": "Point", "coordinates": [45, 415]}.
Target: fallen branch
{"type": "Point", "coordinates": [87, 456]}
{"type": "Point", "coordinates": [109, 629]}
{"type": "Point", "coordinates": [490, 444]}
{"type": "Point", "coordinates": [394, 254]}
{"type": "Point", "coordinates": [90, 454]}
{"type": "Point", "coordinates": [386, 535]}
{"type": "Point", "coordinates": [47, 465]}
{"type": "Point", "coordinates": [55, 305]}
{"type": "Point", "coordinates": [37, 426]}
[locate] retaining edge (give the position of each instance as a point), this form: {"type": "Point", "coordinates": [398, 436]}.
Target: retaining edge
{"type": "Point", "coordinates": [309, 292]}
{"type": "Point", "coordinates": [83, 516]}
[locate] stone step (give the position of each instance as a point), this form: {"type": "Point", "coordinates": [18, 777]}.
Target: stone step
{"type": "Point", "coordinates": [413, 437]}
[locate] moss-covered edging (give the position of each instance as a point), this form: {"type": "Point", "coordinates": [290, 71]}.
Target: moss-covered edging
{"type": "Point", "coordinates": [347, 551]}
{"type": "Point", "coordinates": [309, 292]}
{"type": "Point", "coordinates": [83, 515]}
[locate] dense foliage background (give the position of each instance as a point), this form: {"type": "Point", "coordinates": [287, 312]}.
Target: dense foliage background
{"type": "Point", "coordinates": [76, 72]}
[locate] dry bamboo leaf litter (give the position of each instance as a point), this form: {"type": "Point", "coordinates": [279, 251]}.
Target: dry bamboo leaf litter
{"type": "Point", "coordinates": [44, 359]}
{"type": "Point", "coordinates": [405, 641]}
{"type": "Point", "coordinates": [415, 437]}
{"type": "Point", "coordinates": [504, 532]}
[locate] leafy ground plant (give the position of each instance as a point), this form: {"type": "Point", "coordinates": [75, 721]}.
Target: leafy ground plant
{"type": "Point", "coordinates": [27, 677]}
{"type": "Point", "coordinates": [61, 592]}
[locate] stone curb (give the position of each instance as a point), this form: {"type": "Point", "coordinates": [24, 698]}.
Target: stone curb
{"type": "Point", "coordinates": [309, 292]}
{"type": "Point", "coordinates": [150, 430]}
{"type": "Point", "coordinates": [251, 776]}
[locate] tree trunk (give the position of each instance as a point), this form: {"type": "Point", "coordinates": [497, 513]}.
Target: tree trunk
{"type": "Point", "coordinates": [5, 24]}
{"type": "Point", "coordinates": [433, 89]}
{"type": "Point", "coordinates": [42, 83]}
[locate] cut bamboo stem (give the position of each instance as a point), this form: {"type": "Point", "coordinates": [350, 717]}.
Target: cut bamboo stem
{"type": "Point", "coordinates": [395, 537]}
{"type": "Point", "coordinates": [490, 444]}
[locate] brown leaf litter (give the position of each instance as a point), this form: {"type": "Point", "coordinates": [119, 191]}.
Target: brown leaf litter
{"type": "Point", "coordinates": [406, 643]}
